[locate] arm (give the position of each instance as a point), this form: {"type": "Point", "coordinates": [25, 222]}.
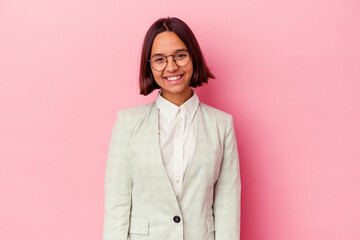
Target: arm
{"type": "Point", "coordinates": [118, 184]}
{"type": "Point", "coordinates": [227, 190]}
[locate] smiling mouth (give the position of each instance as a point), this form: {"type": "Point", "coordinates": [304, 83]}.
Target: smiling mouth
{"type": "Point", "coordinates": [174, 78]}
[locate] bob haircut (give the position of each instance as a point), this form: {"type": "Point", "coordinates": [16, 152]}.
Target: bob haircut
{"type": "Point", "coordinates": [201, 72]}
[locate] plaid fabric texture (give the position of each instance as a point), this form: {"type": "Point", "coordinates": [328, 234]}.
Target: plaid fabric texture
{"type": "Point", "coordinates": [140, 203]}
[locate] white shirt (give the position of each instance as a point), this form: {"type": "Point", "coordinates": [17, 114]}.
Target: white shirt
{"type": "Point", "coordinates": [177, 132]}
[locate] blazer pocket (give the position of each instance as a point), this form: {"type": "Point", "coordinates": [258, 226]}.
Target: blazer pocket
{"type": "Point", "coordinates": [139, 226]}
{"type": "Point", "coordinates": [210, 224]}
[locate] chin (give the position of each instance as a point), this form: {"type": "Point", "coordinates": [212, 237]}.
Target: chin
{"type": "Point", "coordinates": [174, 91]}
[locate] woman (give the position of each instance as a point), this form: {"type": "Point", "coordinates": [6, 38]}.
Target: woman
{"type": "Point", "coordinates": [173, 169]}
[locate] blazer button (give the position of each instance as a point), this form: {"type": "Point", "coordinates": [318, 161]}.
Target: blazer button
{"type": "Point", "coordinates": [177, 219]}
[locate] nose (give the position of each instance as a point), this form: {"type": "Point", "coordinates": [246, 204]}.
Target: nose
{"type": "Point", "coordinates": [171, 65]}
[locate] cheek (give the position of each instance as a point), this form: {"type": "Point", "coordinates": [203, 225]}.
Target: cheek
{"type": "Point", "coordinates": [157, 75]}
{"type": "Point", "coordinates": [190, 70]}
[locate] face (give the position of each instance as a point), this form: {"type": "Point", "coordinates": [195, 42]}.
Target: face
{"type": "Point", "coordinates": [167, 43]}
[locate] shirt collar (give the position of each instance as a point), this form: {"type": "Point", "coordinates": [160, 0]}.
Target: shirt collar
{"type": "Point", "coordinates": [170, 110]}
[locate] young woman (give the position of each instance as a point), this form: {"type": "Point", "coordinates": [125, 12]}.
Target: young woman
{"type": "Point", "coordinates": [173, 168]}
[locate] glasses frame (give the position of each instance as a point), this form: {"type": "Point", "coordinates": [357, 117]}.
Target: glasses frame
{"type": "Point", "coordinates": [173, 55]}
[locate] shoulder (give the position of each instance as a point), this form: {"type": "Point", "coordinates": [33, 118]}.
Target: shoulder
{"type": "Point", "coordinates": [222, 120]}
{"type": "Point", "coordinates": [216, 118]}
{"type": "Point", "coordinates": [215, 114]}
{"type": "Point", "coordinates": [133, 113]}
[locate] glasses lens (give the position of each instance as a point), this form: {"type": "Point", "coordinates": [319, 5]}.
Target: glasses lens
{"type": "Point", "coordinates": [158, 62]}
{"type": "Point", "coordinates": [182, 58]}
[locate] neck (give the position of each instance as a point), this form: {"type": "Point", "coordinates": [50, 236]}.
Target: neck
{"type": "Point", "coordinates": [177, 98]}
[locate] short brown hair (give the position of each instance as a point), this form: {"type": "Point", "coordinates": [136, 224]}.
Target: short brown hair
{"type": "Point", "coordinates": [201, 71]}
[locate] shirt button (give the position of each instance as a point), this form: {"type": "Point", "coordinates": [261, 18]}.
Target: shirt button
{"type": "Point", "coordinates": [178, 181]}
{"type": "Point", "coordinates": [177, 219]}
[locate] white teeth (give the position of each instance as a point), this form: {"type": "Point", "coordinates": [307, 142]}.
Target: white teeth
{"type": "Point", "coordinates": [173, 78]}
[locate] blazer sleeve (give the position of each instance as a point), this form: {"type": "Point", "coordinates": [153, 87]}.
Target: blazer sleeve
{"type": "Point", "coordinates": [227, 190]}
{"type": "Point", "coordinates": [118, 183]}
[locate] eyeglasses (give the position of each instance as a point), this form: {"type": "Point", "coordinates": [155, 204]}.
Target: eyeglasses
{"type": "Point", "coordinates": [159, 61]}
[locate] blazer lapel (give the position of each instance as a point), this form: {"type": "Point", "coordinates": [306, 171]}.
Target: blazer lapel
{"type": "Point", "coordinates": [158, 161]}
{"type": "Point", "coordinates": [194, 160]}
{"type": "Point", "coordinates": [200, 134]}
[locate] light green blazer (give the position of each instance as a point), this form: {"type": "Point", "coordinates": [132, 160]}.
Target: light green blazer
{"type": "Point", "coordinates": [140, 203]}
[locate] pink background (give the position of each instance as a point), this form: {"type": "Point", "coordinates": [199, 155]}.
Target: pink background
{"type": "Point", "coordinates": [288, 71]}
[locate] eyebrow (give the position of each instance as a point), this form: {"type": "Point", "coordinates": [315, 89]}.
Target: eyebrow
{"type": "Point", "coordinates": [160, 54]}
